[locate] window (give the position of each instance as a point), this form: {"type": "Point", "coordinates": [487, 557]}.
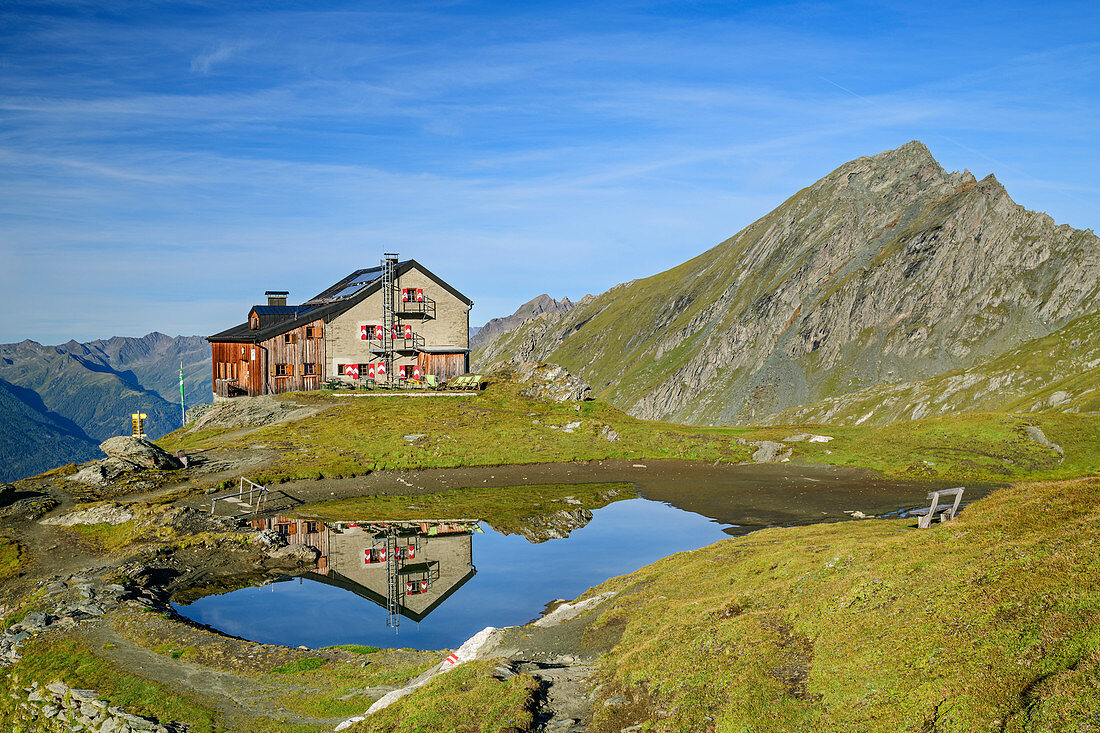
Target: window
{"type": "Point", "coordinates": [313, 332]}
{"type": "Point", "coordinates": [283, 370]}
{"type": "Point", "coordinates": [254, 322]}
{"type": "Point", "coordinates": [290, 338]}
{"type": "Point", "coordinates": [309, 369]}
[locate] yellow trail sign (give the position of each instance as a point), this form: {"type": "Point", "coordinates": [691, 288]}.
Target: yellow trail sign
{"type": "Point", "coordinates": [138, 418]}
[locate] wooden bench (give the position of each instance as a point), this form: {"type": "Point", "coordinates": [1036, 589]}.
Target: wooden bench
{"type": "Point", "coordinates": [944, 512]}
{"type": "Point", "coordinates": [466, 381]}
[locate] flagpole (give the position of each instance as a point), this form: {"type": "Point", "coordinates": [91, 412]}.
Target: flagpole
{"type": "Point", "coordinates": [183, 407]}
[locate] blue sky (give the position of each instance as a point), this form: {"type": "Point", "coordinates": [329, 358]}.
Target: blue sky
{"type": "Point", "coordinates": [162, 164]}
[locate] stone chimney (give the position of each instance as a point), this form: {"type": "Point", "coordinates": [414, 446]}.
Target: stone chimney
{"type": "Point", "coordinates": [277, 297]}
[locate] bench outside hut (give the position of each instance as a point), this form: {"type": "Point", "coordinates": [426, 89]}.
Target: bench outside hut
{"type": "Point", "coordinates": [944, 511]}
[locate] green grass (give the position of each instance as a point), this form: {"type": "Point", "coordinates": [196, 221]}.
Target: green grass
{"type": "Point", "coordinates": [504, 508]}
{"type": "Point", "coordinates": [299, 666]}
{"type": "Point", "coordinates": [72, 662]}
{"type": "Point", "coordinates": [467, 699]}
{"type": "Point", "coordinates": [11, 557]}
{"type": "Point", "coordinates": [327, 690]}
{"type": "Point", "coordinates": [499, 426]}
{"type": "Point", "coordinates": [502, 427]}
{"type": "Point", "coordinates": [356, 648]}
{"type": "Point", "coordinates": [171, 650]}
{"type": "Point", "coordinates": [973, 447]}
{"type": "Point", "coordinates": [872, 626]}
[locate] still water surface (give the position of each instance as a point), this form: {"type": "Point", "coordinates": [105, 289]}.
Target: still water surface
{"type": "Point", "coordinates": [514, 580]}
{"type": "Point", "coordinates": [479, 580]}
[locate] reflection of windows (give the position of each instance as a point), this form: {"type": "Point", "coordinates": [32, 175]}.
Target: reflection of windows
{"type": "Point", "coordinates": [309, 369]}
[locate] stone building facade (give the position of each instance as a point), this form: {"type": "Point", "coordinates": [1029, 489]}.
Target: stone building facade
{"type": "Point", "coordinates": [346, 332]}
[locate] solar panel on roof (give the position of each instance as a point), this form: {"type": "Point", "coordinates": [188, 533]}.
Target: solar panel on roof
{"type": "Point", "coordinates": [351, 288]}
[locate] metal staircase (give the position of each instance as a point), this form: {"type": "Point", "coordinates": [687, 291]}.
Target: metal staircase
{"type": "Point", "coordinates": [389, 318]}
{"type": "Point", "coordinates": [393, 615]}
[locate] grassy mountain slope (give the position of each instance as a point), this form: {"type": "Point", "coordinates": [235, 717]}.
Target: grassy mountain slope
{"type": "Point", "coordinates": [988, 623]}
{"type": "Point", "coordinates": [87, 393]}
{"type": "Point", "coordinates": [152, 362]}
{"type": "Point", "coordinates": [887, 269]}
{"type": "Point", "coordinates": [1055, 373]}
{"type": "Point", "coordinates": [32, 440]}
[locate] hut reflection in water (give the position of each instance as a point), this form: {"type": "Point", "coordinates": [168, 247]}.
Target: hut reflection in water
{"type": "Point", "coordinates": [407, 567]}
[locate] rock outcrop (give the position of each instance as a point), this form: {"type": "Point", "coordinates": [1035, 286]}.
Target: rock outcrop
{"type": "Point", "coordinates": [100, 514]}
{"type": "Point", "coordinates": [550, 382]}
{"type": "Point", "coordinates": [554, 525]}
{"type": "Point", "coordinates": [139, 453]}
{"type": "Point", "coordinates": [249, 412]}
{"type": "Point", "coordinates": [886, 270]}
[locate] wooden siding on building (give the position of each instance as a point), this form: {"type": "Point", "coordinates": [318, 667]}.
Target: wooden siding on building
{"type": "Point", "coordinates": [237, 365]}
{"type": "Point", "coordinates": [294, 350]}
{"type": "Point", "coordinates": [251, 367]}
{"type": "Point", "coordinates": [443, 366]}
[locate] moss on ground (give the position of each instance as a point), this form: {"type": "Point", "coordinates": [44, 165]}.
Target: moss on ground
{"type": "Point", "coordinates": [505, 508]}
{"type": "Point", "coordinates": [11, 557]}
{"type": "Point", "coordinates": [68, 660]}
{"type": "Point", "coordinates": [991, 622]}
{"type": "Point", "coordinates": [468, 699]}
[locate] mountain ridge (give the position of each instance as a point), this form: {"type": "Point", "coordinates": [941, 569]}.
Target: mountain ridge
{"type": "Point", "coordinates": [84, 393]}
{"type": "Point", "coordinates": [537, 306]}
{"type": "Point", "coordinates": [887, 269]}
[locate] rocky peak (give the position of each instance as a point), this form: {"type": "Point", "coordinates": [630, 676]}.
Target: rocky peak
{"type": "Point", "coordinates": [534, 308]}
{"type": "Point", "coordinates": [888, 268]}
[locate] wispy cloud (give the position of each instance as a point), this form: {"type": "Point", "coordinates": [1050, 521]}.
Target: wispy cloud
{"type": "Point", "coordinates": [154, 161]}
{"type": "Point", "coordinates": [218, 54]}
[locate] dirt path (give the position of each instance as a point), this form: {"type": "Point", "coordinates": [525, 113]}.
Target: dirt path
{"type": "Point", "coordinates": [239, 702]}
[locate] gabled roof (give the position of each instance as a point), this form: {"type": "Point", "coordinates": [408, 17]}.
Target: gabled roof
{"type": "Point", "coordinates": [370, 280]}
{"type": "Point", "coordinates": [279, 310]}
{"type": "Point", "coordinates": [334, 578]}
{"type": "Point", "coordinates": [271, 326]}
{"type": "Point", "coordinates": [277, 319]}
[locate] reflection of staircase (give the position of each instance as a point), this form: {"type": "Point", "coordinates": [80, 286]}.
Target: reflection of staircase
{"type": "Point", "coordinates": [393, 615]}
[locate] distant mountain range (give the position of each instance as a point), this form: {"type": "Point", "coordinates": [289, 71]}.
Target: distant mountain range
{"type": "Point", "coordinates": [888, 290]}
{"type": "Point", "coordinates": [57, 403]}
{"type": "Point", "coordinates": [533, 308]}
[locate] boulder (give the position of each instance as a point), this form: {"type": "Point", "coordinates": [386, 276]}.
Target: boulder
{"type": "Point", "coordinates": [296, 554]}
{"type": "Point", "coordinates": [768, 451]}
{"type": "Point", "coordinates": [102, 472]}
{"type": "Point", "coordinates": [271, 539]}
{"type": "Point", "coordinates": [1036, 433]}
{"type": "Point", "coordinates": [551, 382]}
{"type": "Point", "coordinates": [101, 514]}
{"type": "Point", "coordinates": [139, 452]}
{"type": "Point", "coordinates": [250, 412]}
